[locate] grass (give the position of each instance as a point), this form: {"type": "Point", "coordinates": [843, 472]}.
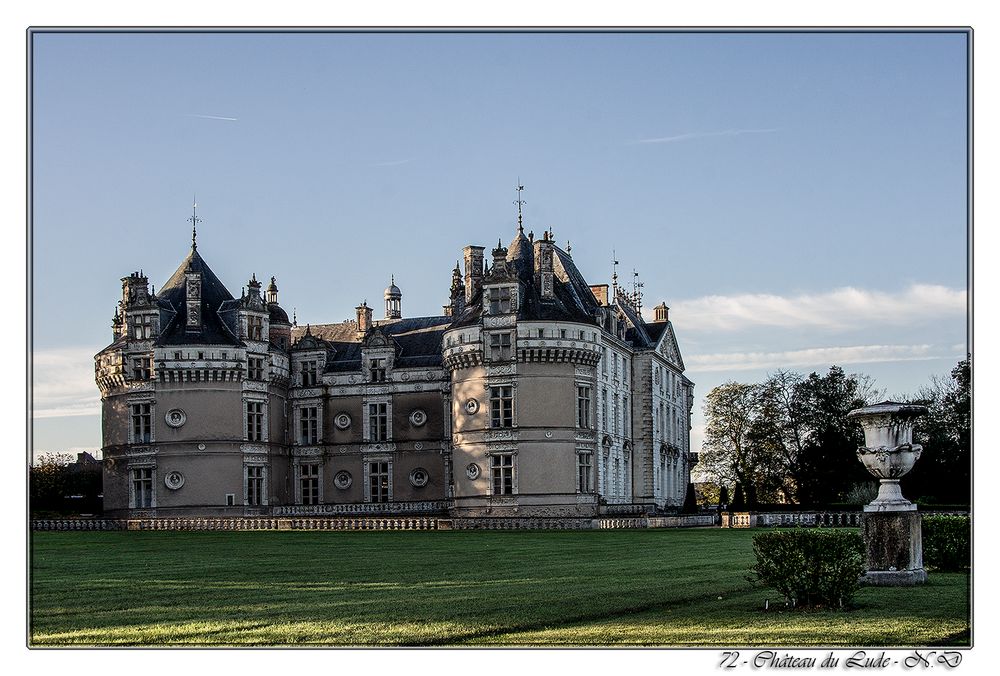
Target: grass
{"type": "Point", "coordinates": [643, 587]}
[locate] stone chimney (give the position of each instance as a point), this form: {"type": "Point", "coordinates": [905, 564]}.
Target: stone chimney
{"type": "Point", "coordinates": [543, 265]}
{"type": "Point", "coordinates": [364, 317]}
{"type": "Point", "coordinates": [600, 292]}
{"type": "Point", "coordinates": [473, 271]}
{"type": "Point", "coordinates": [660, 313]}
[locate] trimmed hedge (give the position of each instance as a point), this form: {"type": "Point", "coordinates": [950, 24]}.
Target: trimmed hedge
{"type": "Point", "coordinates": [810, 568]}
{"type": "Point", "coordinates": [946, 542]}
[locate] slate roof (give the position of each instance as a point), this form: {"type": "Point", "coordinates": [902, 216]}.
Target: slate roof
{"type": "Point", "coordinates": [573, 300]}
{"type": "Point", "coordinates": [218, 308]}
{"type": "Point", "coordinates": [417, 341]}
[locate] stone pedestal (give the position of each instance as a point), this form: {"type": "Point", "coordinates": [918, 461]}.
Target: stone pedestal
{"type": "Point", "coordinates": [894, 554]}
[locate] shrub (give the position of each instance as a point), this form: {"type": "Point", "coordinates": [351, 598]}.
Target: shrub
{"type": "Point", "coordinates": [946, 542]}
{"type": "Point", "coordinates": [810, 568]}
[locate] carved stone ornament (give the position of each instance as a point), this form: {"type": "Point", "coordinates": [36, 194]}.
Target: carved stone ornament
{"type": "Point", "coordinates": [342, 421]}
{"type": "Point", "coordinates": [342, 479]}
{"type": "Point", "coordinates": [418, 418]}
{"type": "Point", "coordinates": [472, 471]}
{"type": "Point", "coordinates": [175, 417]}
{"type": "Point", "coordinates": [173, 480]}
{"type": "Point", "coordinates": [201, 447]}
{"type": "Point", "coordinates": [471, 406]}
{"type": "Point", "coordinates": [419, 446]}
{"type": "Point", "coordinates": [418, 477]}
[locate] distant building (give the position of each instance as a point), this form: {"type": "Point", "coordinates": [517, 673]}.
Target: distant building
{"type": "Point", "coordinates": [533, 395]}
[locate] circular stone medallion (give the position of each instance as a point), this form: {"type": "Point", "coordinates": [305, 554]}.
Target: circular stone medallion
{"type": "Point", "coordinates": [342, 479]}
{"type": "Point", "coordinates": [418, 477]}
{"type": "Point", "coordinates": [173, 480]}
{"type": "Point", "coordinates": [418, 418]}
{"type": "Point", "coordinates": [175, 417]}
{"type": "Point", "coordinates": [471, 406]}
{"type": "Point", "coordinates": [472, 471]}
{"type": "Point", "coordinates": [342, 421]}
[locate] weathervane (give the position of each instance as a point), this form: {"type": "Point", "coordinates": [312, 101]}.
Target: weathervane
{"type": "Point", "coordinates": [194, 223]}
{"type": "Point", "coordinates": [637, 291]}
{"type": "Point", "coordinates": [519, 202]}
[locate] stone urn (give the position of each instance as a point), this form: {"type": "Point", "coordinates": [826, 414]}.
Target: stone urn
{"type": "Point", "coordinates": [889, 451]}
{"type": "Point", "coordinates": [890, 523]}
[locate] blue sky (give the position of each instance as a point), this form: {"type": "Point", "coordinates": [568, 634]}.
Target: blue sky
{"type": "Point", "coordinates": [797, 199]}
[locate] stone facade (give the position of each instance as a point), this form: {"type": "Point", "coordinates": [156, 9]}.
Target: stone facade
{"type": "Point", "coordinates": [533, 396]}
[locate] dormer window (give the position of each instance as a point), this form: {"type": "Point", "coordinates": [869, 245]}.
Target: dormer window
{"type": "Point", "coordinates": [378, 370]}
{"type": "Point", "coordinates": [142, 327]}
{"type": "Point", "coordinates": [500, 346]}
{"type": "Point", "coordinates": [255, 328]}
{"type": "Point", "coordinates": [141, 368]}
{"type": "Point", "coordinates": [309, 373]}
{"type": "Point", "coordinates": [500, 300]}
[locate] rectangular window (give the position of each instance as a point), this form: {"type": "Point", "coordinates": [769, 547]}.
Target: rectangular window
{"type": "Point", "coordinates": [308, 425]}
{"type": "Point", "coordinates": [583, 407]}
{"type": "Point", "coordinates": [604, 409]}
{"type": "Point", "coordinates": [142, 327]}
{"type": "Point", "coordinates": [309, 373]}
{"type": "Point", "coordinates": [585, 482]}
{"type": "Point", "coordinates": [142, 423]}
{"type": "Point", "coordinates": [230, 499]}
{"type": "Point", "coordinates": [255, 485]}
{"type": "Point", "coordinates": [142, 487]}
{"type": "Point", "coordinates": [255, 421]}
{"type": "Point", "coordinates": [614, 373]}
{"type": "Point", "coordinates": [502, 406]}
{"type": "Point", "coordinates": [255, 327]}
{"type": "Point", "coordinates": [614, 414]}
{"type": "Point", "coordinates": [541, 333]}
{"type": "Point", "coordinates": [309, 483]}
{"type": "Point", "coordinates": [500, 301]}
{"type": "Point", "coordinates": [377, 370]}
{"type": "Point", "coordinates": [255, 368]}
{"type": "Point", "coordinates": [142, 367]}
{"type": "Point", "coordinates": [604, 360]}
{"type": "Point", "coordinates": [378, 422]}
{"type": "Point", "coordinates": [562, 333]}
{"type": "Point", "coordinates": [624, 371]}
{"type": "Point", "coordinates": [378, 481]}
{"type": "Point", "coordinates": [500, 346]}
{"type": "Point", "coordinates": [625, 425]}
{"type": "Point", "coordinates": [502, 467]}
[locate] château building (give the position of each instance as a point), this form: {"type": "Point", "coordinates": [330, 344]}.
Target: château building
{"type": "Point", "coordinates": [533, 395]}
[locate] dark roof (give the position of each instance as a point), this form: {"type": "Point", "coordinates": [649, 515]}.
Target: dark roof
{"type": "Point", "coordinates": [655, 330]}
{"type": "Point", "coordinates": [573, 300]}
{"type": "Point", "coordinates": [417, 341]}
{"type": "Point", "coordinates": [218, 308]}
{"type": "Point", "coordinates": [277, 314]}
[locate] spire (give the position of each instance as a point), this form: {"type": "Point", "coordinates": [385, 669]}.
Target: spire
{"type": "Point", "coordinates": [194, 224]}
{"type": "Point", "coordinates": [519, 202]}
{"type": "Point", "coordinates": [614, 275]}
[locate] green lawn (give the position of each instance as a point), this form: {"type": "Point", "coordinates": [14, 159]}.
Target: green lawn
{"type": "Point", "coordinates": [642, 587]}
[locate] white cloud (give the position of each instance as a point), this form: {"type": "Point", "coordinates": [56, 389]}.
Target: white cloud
{"type": "Point", "coordinates": [704, 134]}
{"type": "Point", "coordinates": [64, 383]}
{"type": "Point", "coordinates": [842, 309]}
{"type": "Point", "coordinates": [857, 354]}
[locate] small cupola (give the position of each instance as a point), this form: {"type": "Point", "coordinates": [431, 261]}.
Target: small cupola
{"type": "Point", "coordinates": [272, 292]}
{"type": "Point", "coordinates": [393, 300]}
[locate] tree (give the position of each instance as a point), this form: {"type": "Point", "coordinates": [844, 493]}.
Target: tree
{"type": "Point", "coordinates": [787, 438]}
{"type": "Point", "coordinates": [739, 438]}
{"type": "Point", "coordinates": [943, 473]}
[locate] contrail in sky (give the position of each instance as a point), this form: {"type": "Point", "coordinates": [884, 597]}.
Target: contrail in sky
{"type": "Point", "coordinates": [704, 134]}
{"type": "Point", "coordinates": [214, 117]}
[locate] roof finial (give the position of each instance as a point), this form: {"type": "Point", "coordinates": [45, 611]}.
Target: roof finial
{"type": "Point", "coordinates": [194, 224]}
{"type": "Point", "coordinates": [295, 319]}
{"type": "Point", "coordinates": [519, 202]}
{"type": "Point", "coordinates": [569, 247]}
{"type": "Point", "coordinates": [392, 280]}
{"type": "Point", "coordinates": [614, 275]}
